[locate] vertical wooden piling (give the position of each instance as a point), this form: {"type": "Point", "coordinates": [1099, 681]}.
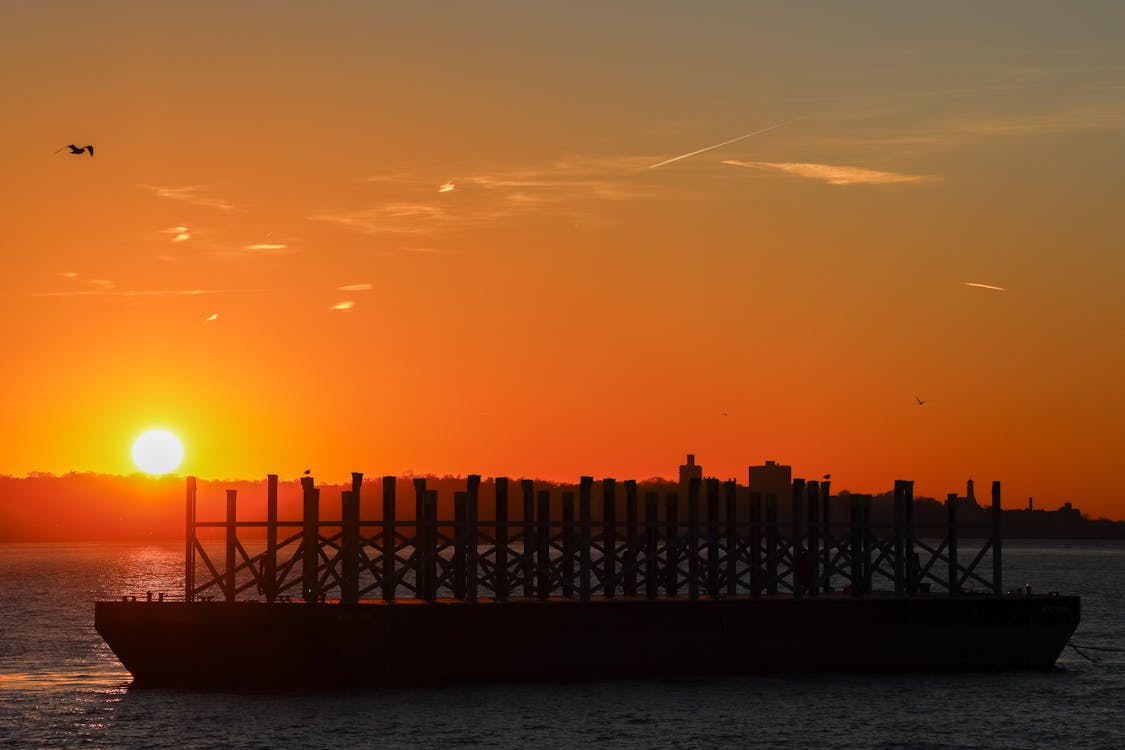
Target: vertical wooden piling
{"type": "Point", "coordinates": [460, 541]}
{"type": "Point", "coordinates": [730, 552]}
{"type": "Point", "coordinates": [472, 533]}
{"type": "Point", "coordinates": [631, 537]}
{"type": "Point", "coordinates": [913, 569]}
{"type": "Point", "coordinates": [420, 543]}
{"type": "Point", "coordinates": [652, 589]}
{"type": "Point", "coordinates": [855, 545]}
{"type": "Point", "coordinates": [310, 540]}
{"type": "Point", "coordinates": [232, 541]}
{"type": "Point", "coordinates": [500, 579]}
{"type": "Point", "coordinates": [269, 560]}
{"type": "Point", "coordinates": [609, 538]}
{"type": "Point", "coordinates": [997, 581]}
{"type": "Point", "coordinates": [543, 546]}
{"type": "Point", "coordinates": [712, 537]}
{"type": "Point", "coordinates": [671, 545]}
{"type": "Point", "coordinates": [865, 517]}
{"type": "Point", "coordinates": [813, 518]}
{"type": "Point", "coordinates": [585, 485]}
{"type": "Point", "coordinates": [349, 546]}
{"type": "Point", "coordinates": [756, 582]}
{"type": "Point", "coordinates": [828, 539]}
{"type": "Point", "coordinates": [797, 550]}
{"type": "Point", "coordinates": [693, 537]}
{"type": "Point", "coordinates": [429, 524]}
{"type": "Point", "coordinates": [900, 540]}
{"type": "Point", "coordinates": [527, 486]}
{"type": "Point", "coordinates": [189, 539]}
{"type": "Point", "coordinates": [954, 582]}
{"type": "Point", "coordinates": [771, 543]}
{"type": "Point", "coordinates": [390, 539]}
{"type": "Point", "coordinates": [568, 544]}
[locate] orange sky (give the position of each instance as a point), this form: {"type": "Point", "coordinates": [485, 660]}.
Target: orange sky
{"type": "Point", "coordinates": [565, 309]}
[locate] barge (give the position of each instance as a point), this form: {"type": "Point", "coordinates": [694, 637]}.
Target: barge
{"type": "Point", "coordinates": [634, 591]}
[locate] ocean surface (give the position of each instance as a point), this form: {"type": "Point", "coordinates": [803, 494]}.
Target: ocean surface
{"type": "Point", "coordinates": [61, 687]}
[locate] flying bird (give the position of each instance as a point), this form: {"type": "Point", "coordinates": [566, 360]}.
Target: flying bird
{"type": "Point", "coordinates": [77, 149]}
{"type": "Point", "coordinates": [920, 401]}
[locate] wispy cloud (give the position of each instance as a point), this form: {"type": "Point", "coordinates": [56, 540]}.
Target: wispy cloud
{"type": "Point", "coordinates": [833, 174]}
{"type": "Point", "coordinates": [355, 288]}
{"type": "Point", "coordinates": [342, 306]}
{"type": "Point", "coordinates": [193, 194]}
{"type": "Point", "coordinates": [267, 247]}
{"type": "Point", "coordinates": [211, 317]}
{"type": "Point", "coordinates": [109, 292]}
{"type": "Point", "coordinates": [178, 234]}
{"type": "Point", "coordinates": [447, 187]}
{"type": "Point", "coordinates": [68, 274]}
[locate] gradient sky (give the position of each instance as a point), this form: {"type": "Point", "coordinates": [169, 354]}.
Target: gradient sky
{"type": "Point", "coordinates": [265, 256]}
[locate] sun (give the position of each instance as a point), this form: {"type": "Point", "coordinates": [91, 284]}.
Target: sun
{"type": "Point", "coordinates": [157, 452]}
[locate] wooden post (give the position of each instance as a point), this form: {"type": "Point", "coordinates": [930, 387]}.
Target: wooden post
{"type": "Point", "coordinates": [543, 546]}
{"type": "Point", "coordinates": [797, 550]}
{"type": "Point", "coordinates": [813, 490]}
{"type": "Point", "coordinates": [997, 581]}
{"type": "Point", "coordinates": [900, 540]}
{"type": "Point", "coordinates": [419, 543]}
{"type": "Point", "coordinates": [472, 576]}
{"type": "Point", "coordinates": [755, 544]}
{"type": "Point", "coordinates": [693, 538]}
{"type": "Point", "coordinates": [349, 547]}
{"type": "Point", "coordinates": [855, 545]}
{"type": "Point", "coordinates": [269, 561]}
{"type": "Point", "coordinates": [671, 545]}
{"type": "Point", "coordinates": [585, 485]}
{"type": "Point", "coordinates": [460, 535]}
{"type": "Point", "coordinates": [951, 545]}
{"type": "Point", "coordinates": [429, 526]}
{"type": "Point", "coordinates": [232, 541]}
{"type": "Point", "coordinates": [529, 535]}
{"type": "Point", "coordinates": [731, 551]}
{"type": "Point", "coordinates": [189, 539]}
{"type": "Point", "coordinates": [310, 541]}
{"type": "Point", "coordinates": [609, 538]}
{"type": "Point", "coordinates": [712, 539]}
{"type": "Point", "coordinates": [652, 588]}
{"type": "Point", "coordinates": [568, 537]}
{"type": "Point", "coordinates": [913, 571]}
{"type": "Point", "coordinates": [868, 569]}
{"type": "Point", "coordinates": [828, 539]}
{"type": "Point", "coordinates": [390, 539]}
{"type": "Point", "coordinates": [500, 581]}
{"type": "Point", "coordinates": [771, 543]}
{"type": "Point", "coordinates": [631, 537]}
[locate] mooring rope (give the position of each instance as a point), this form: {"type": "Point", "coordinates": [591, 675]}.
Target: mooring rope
{"type": "Point", "coordinates": [1080, 650]}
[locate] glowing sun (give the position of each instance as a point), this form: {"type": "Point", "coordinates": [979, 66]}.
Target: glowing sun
{"type": "Point", "coordinates": [157, 452]}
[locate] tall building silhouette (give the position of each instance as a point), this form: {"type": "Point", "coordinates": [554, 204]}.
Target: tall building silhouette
{"type": "Point", "coordinates": [772, 479]}
{"type": "Point", "coordinates": [689, 470]}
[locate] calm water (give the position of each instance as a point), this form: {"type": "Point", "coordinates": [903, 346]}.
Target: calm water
{"type": "Point", "coordinates": [61, 687]}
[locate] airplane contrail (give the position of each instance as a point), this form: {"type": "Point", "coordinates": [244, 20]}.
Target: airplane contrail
{"type": "Point", "coordinates": [717, 145]}
{"type": "Point", "coordinates": [986, 286]}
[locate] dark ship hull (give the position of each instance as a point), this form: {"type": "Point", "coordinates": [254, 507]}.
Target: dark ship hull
{"type": "Point", "coordinates": [219, 645]}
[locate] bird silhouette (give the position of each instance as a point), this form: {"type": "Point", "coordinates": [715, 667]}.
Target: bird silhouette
{"type": "Point", "coordinates": [308, 471]}
{"type": "Point", "coordinates": [827, 476]}
{"type": "Point", "coordinates": [77, 149]}
{"type": "Point", "coordinates": [920, 401]}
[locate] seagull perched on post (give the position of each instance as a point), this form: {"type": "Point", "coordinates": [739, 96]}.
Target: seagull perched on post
{"type": "Point", "coordinates": [78, 149]}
